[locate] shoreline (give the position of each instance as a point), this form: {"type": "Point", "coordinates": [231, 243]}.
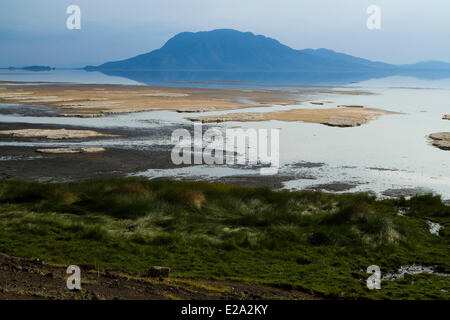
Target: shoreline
{"type": "Point", "coordinates": [117, 159]}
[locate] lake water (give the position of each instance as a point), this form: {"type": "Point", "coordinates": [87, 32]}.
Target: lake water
{"type": "Point", "coordinates": [391, 152]}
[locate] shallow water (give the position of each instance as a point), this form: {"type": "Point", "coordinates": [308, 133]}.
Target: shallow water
{"type": "Point", "coordinates": [391, 152]}
{"type": "Point", "coordinates": [412, 270]}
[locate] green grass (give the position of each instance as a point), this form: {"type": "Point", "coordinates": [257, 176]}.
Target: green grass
{"type": "Point", "coordinates": [321, 243]}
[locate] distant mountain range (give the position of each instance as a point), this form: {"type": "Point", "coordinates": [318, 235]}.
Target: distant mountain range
{"type": "Point", "coordinates": [428, 66]}
{"type": "Point", "coordinates": [231, 50]}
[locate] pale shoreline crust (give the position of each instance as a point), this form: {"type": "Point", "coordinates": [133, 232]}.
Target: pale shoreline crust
{"type": "Point", "coordinates": [440, 140]}
{"type": "Point", "coordinates": [335, 117]}
{"type": "Point", "coordinates": [94, 100]}
{"type": "Point", "coordinates": [70, 150]}
{"type": "Point", "coordinates": [54, 133]}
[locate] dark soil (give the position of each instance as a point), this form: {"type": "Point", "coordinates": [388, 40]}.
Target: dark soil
{"type": "Point", "coordinates": [405, 192]}
{"type": "Point", "coordinates": [335, 186]}
{"type": "Point", "coordinates": [33, 279]}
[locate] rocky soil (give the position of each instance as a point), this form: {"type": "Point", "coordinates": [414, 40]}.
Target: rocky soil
{"type": "Point", "coordinates": [440, 140]}
{"type": "Point", "coordinates": [35, 280]}
{"type": "Point", "coordinates": [54, 133]}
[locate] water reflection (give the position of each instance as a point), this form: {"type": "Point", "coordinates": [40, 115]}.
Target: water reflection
{"type": "Point", "coordinates": [263, 79]}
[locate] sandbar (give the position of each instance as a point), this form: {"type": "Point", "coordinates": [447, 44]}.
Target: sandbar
{"type": "Point", "coordinates": [335, 117]}
{"type": "Point", "coordinates": [54, 133]}
{"type": "Point", "coordinates": [440, 140]}
{"type": "Point", "coordinates": [70, 150]}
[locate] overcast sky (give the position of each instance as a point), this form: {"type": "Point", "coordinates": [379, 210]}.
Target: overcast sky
{"type": "Point", "coordinates": [34, 31]}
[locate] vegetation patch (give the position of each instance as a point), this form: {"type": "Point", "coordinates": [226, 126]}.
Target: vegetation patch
{"type": "Point", "coordinates": [317, 242]}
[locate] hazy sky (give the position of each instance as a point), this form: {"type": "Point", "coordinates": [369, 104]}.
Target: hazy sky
{"type": "Point", "coordinates": [34, 31]}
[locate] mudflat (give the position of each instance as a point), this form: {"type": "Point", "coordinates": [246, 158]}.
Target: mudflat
{"type": "Point", "coordinates": [92, 100]}
{"type": "Point", "coordinates": [335, 117]}
{"type": "Point", "coordinates": [440, 140]}
{"type": "Point", "coordinates": [54, 133]}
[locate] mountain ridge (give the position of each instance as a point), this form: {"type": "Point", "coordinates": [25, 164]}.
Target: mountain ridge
{"type": "Point", "coordinates": [232, 50]}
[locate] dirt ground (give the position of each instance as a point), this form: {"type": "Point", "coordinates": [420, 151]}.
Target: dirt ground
{"type": "Point", "coordinates": [34, 280]}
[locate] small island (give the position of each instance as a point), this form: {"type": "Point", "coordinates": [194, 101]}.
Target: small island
{"type": "Point", "coordinates": [33, 68]}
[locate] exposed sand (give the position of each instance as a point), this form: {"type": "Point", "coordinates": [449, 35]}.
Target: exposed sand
{"type": "Point", "coordinates": [357, 93]}
{"type": "Point", "coordinates": [440, 140]}
{"type": "Point", "coordinates": [70, 150]}
{"type": "Point", "coordinates": [91, 100]}
{"type": "Point", "coordinates": [54, 133]}
{"type": "Point", "coordinates": [336, 117]}
{"type": "Point", "coordinates": [446, 117]}
{"type": "Point", "coordinates": [350, 106]}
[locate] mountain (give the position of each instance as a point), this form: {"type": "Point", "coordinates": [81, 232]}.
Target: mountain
{"type": "Point", "coordinates": [428, 66]}
{"type": "Point", "coordinates": [231, 50]}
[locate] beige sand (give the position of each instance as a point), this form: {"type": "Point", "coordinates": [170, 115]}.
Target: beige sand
{"type": "Point", "coordinates": [54, 133]}
{"type": "Point", "coordinates": [350, 106]}
{"type": "Point", "coordinates": [337, 117]}
{"type": "Point", "coordinates": [355, 93]}
{"type": "Point", "coordinates": [70, 150]}
{"type": "Point", "coordinates": [446, 117]}
{"type": "Point", "coordinates": [440, 140]}
{"type": "Point", "coordinates": [89, 100]}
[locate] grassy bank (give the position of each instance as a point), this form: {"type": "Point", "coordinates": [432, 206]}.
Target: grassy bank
{"type": "Point", "coordinates": [320, 242]}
